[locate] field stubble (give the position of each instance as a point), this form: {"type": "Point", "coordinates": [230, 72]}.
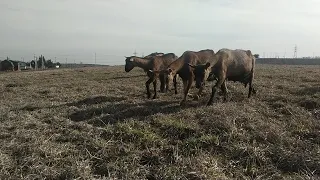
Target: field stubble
{"type": "Point", "coordinates": [96, 122]}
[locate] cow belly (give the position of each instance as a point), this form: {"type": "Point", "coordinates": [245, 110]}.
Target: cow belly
{"type": "Point", "coordinates": [244, 77]}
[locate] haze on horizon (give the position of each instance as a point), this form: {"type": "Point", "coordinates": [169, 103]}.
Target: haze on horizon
{"type": "Point", "coordinates": [76, 29]}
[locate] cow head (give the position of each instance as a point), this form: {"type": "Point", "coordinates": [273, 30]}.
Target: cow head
{"type": "Point", "coordinates": [130, 64]}
{"type": "Point", "coordinates": [201, 73]}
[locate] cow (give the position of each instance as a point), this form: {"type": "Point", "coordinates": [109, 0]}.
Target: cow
{"type": "Point", "coordinates": [153, 63]}
{"type": "Point", "coordinates": [181, 67]}
{"type": "Point", "coordinates": [233, 65]}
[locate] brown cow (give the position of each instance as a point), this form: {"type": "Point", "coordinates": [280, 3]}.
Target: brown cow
{"type": "Point", "coordinates": [181, 67]}
{"type": "Point", "coordinates": [154, 63]}
{"type": "Point", "coordinates": [234, 65]}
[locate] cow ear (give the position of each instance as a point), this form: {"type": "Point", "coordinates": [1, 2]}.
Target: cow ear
{"type": "Point", "coordinates": [191, 65]}
{"type": "Point", "coordinates": [207, 65]}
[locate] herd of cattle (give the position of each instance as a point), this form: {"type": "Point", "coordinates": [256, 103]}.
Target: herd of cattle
{"type": "Point", "coordinates": [232, 65]}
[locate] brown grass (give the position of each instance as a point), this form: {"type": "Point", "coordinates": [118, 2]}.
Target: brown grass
{"type": "Point", "coordinates": [96, 122]}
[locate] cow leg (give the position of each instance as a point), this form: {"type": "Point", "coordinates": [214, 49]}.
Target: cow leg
{"type": "Point", "coordinates": [148, 86]}
{"type": "Point", "coordinates": [185, 91]}
{"type": "Point", "coordinates": [224, 91]}
{"type": "Point", "coordinates": [219, 83]}
{"type": "Point", "coordinates": [197, 96]}
{"type": "Point", "coordinates": [175, 84]}
{"type": "Point", "coordinates": [189, 84]}
{"type": "Point", "coordinates": [251, 89]}
{"type": "Point", "coordinates": [167, 84]}
{"type": "Point", "coordinates": [162, 82]}
{"type": "Point", "coordinates": [155, 88]}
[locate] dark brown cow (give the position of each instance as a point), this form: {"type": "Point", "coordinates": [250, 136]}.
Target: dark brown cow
{"type": "Point", "coordinates": [154, 63]}
{"type": "Point", "coordinates": [234, 65]}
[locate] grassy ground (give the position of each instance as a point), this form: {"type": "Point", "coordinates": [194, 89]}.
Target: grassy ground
{"type": "Point", "coordinates": [96, 122]}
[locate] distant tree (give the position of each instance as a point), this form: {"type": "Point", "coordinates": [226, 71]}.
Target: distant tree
{"type": "Point", "coordinates": [40, 60]}
{"type": "Point", "coordinates": [256, 55]}
{"type": "Point", "coordinates": [33, 64]}
{"type": "Point", "coordinates": [50, 64]}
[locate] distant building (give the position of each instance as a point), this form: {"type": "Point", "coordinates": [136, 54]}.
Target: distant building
{"type": "Point", "coordinates": [12, 65]}
{"type": "Point", "coordinates": [19, 65]}
{"type": "Point", "coordinates": [6, 65]}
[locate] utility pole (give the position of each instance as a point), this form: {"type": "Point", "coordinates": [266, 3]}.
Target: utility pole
{"type": "Point", "coordinates": [295, 54]}
{"type": "Point", "coordinates": [66, 62]}
{"type": "Point", "coordinates": [55, 59]}
{"type": "Point", "coordinates": [35, 63]}
{"type": "Point", "coordinates": [95, 58]}
{"type": "Point", "coordinates": [42, 60]}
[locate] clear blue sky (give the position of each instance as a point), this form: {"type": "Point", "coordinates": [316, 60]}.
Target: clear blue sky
{"type": "Point", "coordinates": [76, 29]}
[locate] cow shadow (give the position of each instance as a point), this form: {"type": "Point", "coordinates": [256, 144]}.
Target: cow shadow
{"type": "Point", "coordinates": [96, 100]}
{"type": "Point", "coordinates": [113, 113]}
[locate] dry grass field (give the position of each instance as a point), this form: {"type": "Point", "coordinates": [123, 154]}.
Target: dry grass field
{"type": "Point", "coordinates": [96, 123]}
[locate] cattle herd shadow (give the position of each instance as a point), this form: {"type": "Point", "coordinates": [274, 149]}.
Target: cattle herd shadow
{"type": "Point", "coordinates": [113, 113]}
{"type": "Point", "coordinates": [96, 100]}
{"type": "Point", "coordinates": [120, 111]}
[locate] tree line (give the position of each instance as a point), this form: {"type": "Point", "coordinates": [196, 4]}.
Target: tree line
{"type": "Point", "coordinates": [41, 60]}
